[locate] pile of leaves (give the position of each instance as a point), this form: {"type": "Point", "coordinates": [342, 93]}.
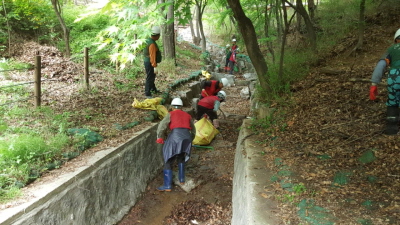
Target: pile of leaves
{"type": "Point", "coordinates": [333, 146]}
{"type": "Point", "coordinates": [198, 212]}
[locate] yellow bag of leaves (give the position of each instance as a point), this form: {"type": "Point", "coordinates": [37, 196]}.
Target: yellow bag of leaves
{"type": "Point", "coordinates": [151, 104]}
{"type": "Point", "coordinates": [205, 132]}
{"type": "Point", "coordinates": [147, 104]}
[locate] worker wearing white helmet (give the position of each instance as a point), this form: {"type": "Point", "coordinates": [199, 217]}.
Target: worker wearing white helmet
{"type": "Point", "coordinates": [151, 56]}
{"type": "Point", "coordinates": [392, 59]}
{"type": "Point", "coordinates": [212, 87]}
{"type": "Point", "coordinates": [178, 144]}
{"type": "Point", "coordinates": [234, 46]}
{"type": "Point", "coordinates": [209, 106]}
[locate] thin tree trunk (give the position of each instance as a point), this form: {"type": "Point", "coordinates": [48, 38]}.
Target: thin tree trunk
{"type": "Point", "coordinates": [312, 37]}
{"type": "Point", "coordinates": [201, 5]}
{"type": "Point", "coordinates": [197, 27]}
{"type": "Point", "coordinates": [278, 19]}
{"type": "Point", "coordinates": [361, 26]}
{"type": "Point", "coordinates": [311, 9]}
{"type": "Point", "coordinates": [283, 44]}
{"type": "Point", "coordinates": [57, 10]}
{"type": "Point", "coordinates": [192, 28]}
{"type": "Point", "coordinates": [266, 31]}
{"type": "Point", "coordinates": [8, 29]}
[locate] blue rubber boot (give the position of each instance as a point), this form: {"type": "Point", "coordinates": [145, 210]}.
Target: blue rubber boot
{"type": "Point", "coordinates": [181, 173]}
{"type": "Point", "coordinates": [167, 181]}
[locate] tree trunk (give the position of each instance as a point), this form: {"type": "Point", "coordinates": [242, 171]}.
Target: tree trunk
{"type": "Point", "coordinates": [201, 5]}
{"type": "Point", "coordinates": [192, 28]}
{"type": "Point", "coordinates": [168, 37]}
{"type": "Point", "coordinates": [197, 27]}
{"type": "Point", "coordinates": [283, 44]}
{"type": "Point", "coordinates": [8, 28]}
{"type": "Point", "coordinates": [361, 26]}
{"type": "Point", "coordinates": [247, 30]}
{"type": "Point", "coordinates": [57, 10]}
{"type": "Point", "coordinates": [312, 37]}
{"type": "Point", "coordinates": [278, 19]}
{"type": "Point", "coordinates": [267, 23]}
{"type": "Point", "coordinates": [311, 9]}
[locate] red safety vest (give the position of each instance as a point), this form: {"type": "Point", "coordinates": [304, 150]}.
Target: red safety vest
{"type": "Point", "coordinates": [179, 119]}
{"type": "Point", "coordinates": [208, 102]}
{"type": "Point", "coordinates": [213, 89]}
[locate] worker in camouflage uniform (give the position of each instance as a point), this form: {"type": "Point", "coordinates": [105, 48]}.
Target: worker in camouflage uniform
{"type": "Point", "coordinates": [391, 59]}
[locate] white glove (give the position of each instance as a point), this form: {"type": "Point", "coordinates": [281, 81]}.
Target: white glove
{"type": "Point", "coordinates": [155, 70]}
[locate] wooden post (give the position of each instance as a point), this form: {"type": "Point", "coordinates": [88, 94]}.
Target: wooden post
{"type": "Point", "coordinates": [38, 65]}
{"type": "Point", "coordinates": [86, 66]}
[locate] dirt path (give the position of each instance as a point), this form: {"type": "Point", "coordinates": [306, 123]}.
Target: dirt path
{"type": "Point", "coordinates": [210, 202]}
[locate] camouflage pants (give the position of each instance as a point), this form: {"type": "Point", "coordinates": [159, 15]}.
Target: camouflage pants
{"type": "Point", "coordinates": [393, 88]}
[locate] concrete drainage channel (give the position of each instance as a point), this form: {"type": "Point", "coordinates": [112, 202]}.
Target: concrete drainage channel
{"type": "Point", "coordinates": [80, 197]}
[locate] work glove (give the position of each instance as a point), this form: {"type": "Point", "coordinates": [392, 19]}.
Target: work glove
{"type": "Point", "coordinates": [155, 70]}
{"type": "Point", "coordinates": [160, 141]}
{"type": "Point", "coordinates": [373, 92]}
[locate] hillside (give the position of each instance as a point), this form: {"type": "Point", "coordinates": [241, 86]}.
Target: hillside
{"type": "Point", "coordinates": [332, 150]}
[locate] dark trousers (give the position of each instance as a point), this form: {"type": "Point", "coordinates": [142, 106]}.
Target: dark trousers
{"type": "Point", "coordinates": [231, 66]}
{"type": "Point", "coordinates": [201, 110]}
{"type": "Point", "coordinates": [180, 158]}
{"type": "Point", "coordinates": [150, 79]}
{"type": "Point", "coordinates": [227, 62]}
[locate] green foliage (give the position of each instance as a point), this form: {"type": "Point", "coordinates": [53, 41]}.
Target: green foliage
{"type": "Point", "coordinates": [336, 19]}
{"type": "Point", "coordinates": [30, 146]}
{"type": "Point", "coordinates": [30, 17]}
{"type": "Point", "coordinates": [269, 124]}
{"type": "Point", "coordinates": [204, 56]}
{"type": "Point", "coordinates": [185, 53]}
{"type": "Point", "coordinates": [299, 188]}
{"type": "Point", "coordinates": [6, 65]}
{"type": "Point", "coordinates": [83, 33]}
{"type": "Point", "coordinates": [125, 38]}
{"type": "Point", "coordinates": [168, 67]}
{"type": "Point", "coordinates": [84, 30]}
{"type": "Point", "coordinates": [182, 12]}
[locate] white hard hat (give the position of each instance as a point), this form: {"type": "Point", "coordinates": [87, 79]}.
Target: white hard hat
{"type": "Point", "coordinates": [234, 39]}
{"type": "Point", "coordinates": [224, 81]}
{"type": "Point", "coordinates": [221, 95]}
{"type": "Point", "coordinates": [228, 45]}
{"type": "Point", "coordinates": [397, 34]}
{"type": "Point", "coordinates": [155, 30]}
{"type": "Point", "coordinates": [177, 102]}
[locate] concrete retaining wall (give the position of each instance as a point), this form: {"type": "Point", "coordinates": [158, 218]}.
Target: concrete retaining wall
{"type": "Point", "coordinates": [99, 193]}
{"type": "Point", "coordinates": [250, 203]}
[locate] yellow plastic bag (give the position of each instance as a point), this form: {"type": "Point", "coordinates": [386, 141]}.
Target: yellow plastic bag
{"type": "Point", "coordinates": [206, 74]}
{"type": "Point", "coordinates": [151, 104]}
{"type": "Point", "coordinates": [147, 104]}
{"type": "Point", "coordinates": [205, 132]}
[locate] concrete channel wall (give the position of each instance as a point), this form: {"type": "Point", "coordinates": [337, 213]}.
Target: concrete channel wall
{"type": "Point", "coordinates": [104, 190]}
{"type": "Point", "coordinates": [99, 193]}
{"type": "Point", "coordinates": [251, 178]}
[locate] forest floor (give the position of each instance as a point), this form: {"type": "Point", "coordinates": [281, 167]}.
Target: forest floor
{"type": "Point", "coordinates": [333, 145]}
